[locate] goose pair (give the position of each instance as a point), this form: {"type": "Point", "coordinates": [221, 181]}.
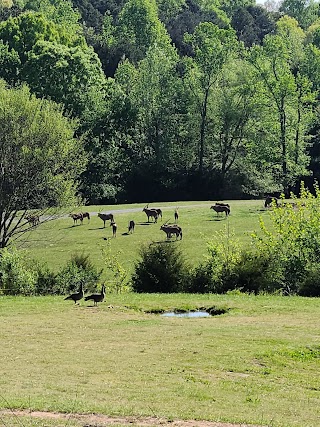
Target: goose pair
{"type": "Point", "coordinates": [95, 297]}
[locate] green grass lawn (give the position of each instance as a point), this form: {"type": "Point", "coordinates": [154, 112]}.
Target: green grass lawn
{"type": "Point", "coordinates": [54, 242]}
{"type": "Point", "coordinates": [258, 363]}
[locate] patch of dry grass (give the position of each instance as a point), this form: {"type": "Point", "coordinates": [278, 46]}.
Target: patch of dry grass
{"type": "Point", "coordinates": [246, 366]}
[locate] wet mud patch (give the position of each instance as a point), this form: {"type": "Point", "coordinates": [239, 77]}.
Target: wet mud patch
{"type": "Point", "coordinates": [196, 312]}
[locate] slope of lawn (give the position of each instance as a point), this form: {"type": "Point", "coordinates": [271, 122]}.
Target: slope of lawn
{"type": "Point", "coordinates": [54, 242]}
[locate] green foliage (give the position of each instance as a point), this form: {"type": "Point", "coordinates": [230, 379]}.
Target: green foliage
{"type": "Point", "coordinates": [162, 268]}
{"type": "Point", "coordinates": [10, 64]}
{"type": "Point", "coordinates": [139, 28]}
{"type": "Point", "coordinates": [79, 269]}
{"type": "Point", "coordinates": [40, 158]}
{"type": "Point", "coordinates": [119, 283]}
{"type": "Point", "coordinates": [292, 242]}
{"type": "Point", "coordinates": [69, 75]}
{"type": "Point", "coordinates": [17, 276]}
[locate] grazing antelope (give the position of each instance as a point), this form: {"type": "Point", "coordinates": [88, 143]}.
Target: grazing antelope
{"type": "Point", "coordinates": [131, 226]}
{"type": "Point", "coordinates": [33, 220]}
{"type": "Point", "coordinates": [153, 213]}
{"type": "Point", "coordinates": [77, 217]}
{"type": "Point", "coordinates": [269, 200]}
{"type": "Point", "coordinates": [105, 217]}
{"type": "Point", "coordinates": [221, 208]}
{"type": "Point", "coordinates": [176, 215]}
{"type": "Point", "coordinates": [170, 229]}
{"type": "Point", "coordinates": [86, 215]}
{"type": "Point", "coordinates": [114, 228]}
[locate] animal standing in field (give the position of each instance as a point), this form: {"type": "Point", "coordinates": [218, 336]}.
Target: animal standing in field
{"type": "Point", "coordinates": [33, 220]}
{"type": "Point", "coordinates": [219, 209]}
{"type": "Point", "coordinates": [105, 217]}
{"type": "Point", "coordinates": [131, 226]}
{"type": "Point", "coordinates": [176, 215]}
{"type": "Point", "coordinates": [76, 296]}
{"type": "Point", "coordinates": [159, 212]}
{"type": "Point", "coordinates": [97, 297]}
{"type": "Point", "coordinates": [86, 215]}
{"type": "Point", "coordinates": [170, 229]}
{"type": "Point", "coordinates": [153, 213]}
{"type": "Point", "coordinates": [114, 228]}
{"type": "Point", "coordinates": [77, 217]}
{"type": "Point", "coordinates": [269, 200]}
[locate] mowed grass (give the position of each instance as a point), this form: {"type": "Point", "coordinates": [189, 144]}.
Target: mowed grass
{"type": "Point", "coordinates": [257, 364]}
{"type": "Point", "coordinates": [54, 242]}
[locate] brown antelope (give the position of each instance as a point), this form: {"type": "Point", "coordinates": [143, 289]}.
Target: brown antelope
{"type": "Point", "coordinates": [220, 208]}
{"type": "Point", "coordinates": [131, 226]}
{"type": "Point", "coordinates": [77, 217]}
{"type": "Point", "coordinates": [105, 217]}
{"type": "Point", "coordinates": [86, 215]}
{"type": "Point", "coordinates": [114, 228]}
{"type": "Point", "coordinates": [33, 220]}
{"type": "Point", "coordinates": [170, 229]}
{"type": "Point", "coordinates": [153, 213]}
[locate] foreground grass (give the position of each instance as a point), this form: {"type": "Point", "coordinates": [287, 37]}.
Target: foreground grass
{"type": "Point", "coordinates": [54, 242]}
{"type": "Point", "coordinates": [257, 364]}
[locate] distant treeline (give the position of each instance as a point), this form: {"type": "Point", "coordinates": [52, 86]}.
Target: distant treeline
{"type": "Point", "coordinates": [175, 99]}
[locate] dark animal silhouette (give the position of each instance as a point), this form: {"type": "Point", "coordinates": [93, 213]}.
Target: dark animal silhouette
{"type": "Point", "coordinates": [114, 228]}
{"type": "Point", "coordinates": [269, 200]}
{"type": "Point", "coordinates": [220, 208]}
{"type": "Point", "coordinates": [170, 229]}
{"type": "Point", "coordinates": [86, 215]}
{"type": "Point", "coordinates": [33, 220]}
{"type": "Point", "coordinates": [131, 226]}
{"type": "Point", "coordinates": [153, 213]}
{"type": "Point", "coordinates": [77, 217]}
{"type": "Point", "coordinates": [105, 217]}
{"type": "Point", "coordinates": [176, 215]}
{"type": "Point", "coordinates": [76, 296]}
{"type": "Point", "coordinates": [159, 211]}
{"type": "Point", "coordinates": [97, 297]}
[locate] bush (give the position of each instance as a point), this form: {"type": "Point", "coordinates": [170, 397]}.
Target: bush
{"type": "Point", "coordinates": [78, 270]}
{"type": "Point", "coordinates": [17, 277]}
{"type": "Point", "coordinates": [310, 286]}
{"type": "Point", "coordinates": [46, 283]}
{"type": "Point", "coordinates": [162, 268]}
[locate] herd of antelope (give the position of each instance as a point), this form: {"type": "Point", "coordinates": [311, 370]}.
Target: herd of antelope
{"type": "Point", "coordinates": [152, 213]}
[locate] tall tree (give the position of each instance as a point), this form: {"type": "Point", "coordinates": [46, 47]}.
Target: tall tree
{"type": "Point", "coordinates": [139, 27]}
{"type": "Point", "coordinates": [40, 160]}
{"type": "Point", "coordinates": [304, 11]}
{"type": "Point", "coordinates": [212, 48]}
{"type": "Point", "coordinates": [287, 93]}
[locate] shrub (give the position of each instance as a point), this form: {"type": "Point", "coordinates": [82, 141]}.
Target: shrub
{"type": "Point", "coordinates": [310, 286]}
{"type": "Point", "coordinates": [79, 269]}
{"type": "Point", "coordinates": [16, 274]}
{"type": "Point", "coordinates": [46, 283]}
{"type": "Point", "coordinates": [162, 268]}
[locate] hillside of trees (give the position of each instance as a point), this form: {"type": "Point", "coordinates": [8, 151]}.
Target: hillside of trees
{"type": "Point", "coordinates": [175, 99]}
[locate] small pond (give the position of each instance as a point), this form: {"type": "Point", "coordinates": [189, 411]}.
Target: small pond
{"type": "Point", "coordinates": [186, 314]}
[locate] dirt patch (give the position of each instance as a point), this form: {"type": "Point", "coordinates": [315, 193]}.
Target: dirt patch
{"type": "Point", "coordinates": [95, 420]}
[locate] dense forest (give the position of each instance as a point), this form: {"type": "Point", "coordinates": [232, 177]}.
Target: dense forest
{"type": "Point", "coordinates": [175, 99]}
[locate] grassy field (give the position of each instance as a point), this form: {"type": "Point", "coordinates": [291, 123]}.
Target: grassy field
{"type": "Point", "coordinates": [54, 242]}
{"type": "Point", "coordinates": [256, 364]}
